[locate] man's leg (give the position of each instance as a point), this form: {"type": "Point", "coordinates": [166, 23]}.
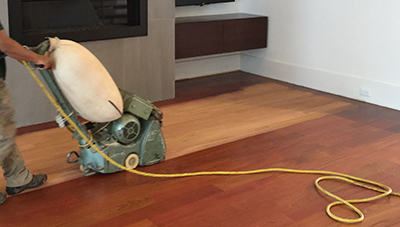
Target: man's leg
{"type": "Point", "coordinates": [2, 198]}
{"type": "Point", "coordinates": [17, 176]}
{"type": "Point", "coordinates": [10, 159]}
{"type": "Point", "coordinates": [14, 168]}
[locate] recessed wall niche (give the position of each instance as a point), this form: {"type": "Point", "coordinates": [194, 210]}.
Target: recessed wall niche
{"type": "Point", "coordinates": [31, 21]}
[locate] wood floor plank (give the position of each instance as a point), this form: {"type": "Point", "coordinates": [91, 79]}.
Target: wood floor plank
{"type": "Point", "coordinates": [253, 110]}
{"type": "Point", "coordinates": [144, 223]}
{"type": "Point", "coordinates": [363, 140]}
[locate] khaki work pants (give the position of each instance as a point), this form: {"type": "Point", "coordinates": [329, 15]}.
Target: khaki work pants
{"type": "Point", "coordinates": [10, 158]}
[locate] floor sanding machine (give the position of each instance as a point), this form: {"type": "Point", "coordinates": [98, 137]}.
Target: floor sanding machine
{"type": "Point", "coordinates": [131, 140]}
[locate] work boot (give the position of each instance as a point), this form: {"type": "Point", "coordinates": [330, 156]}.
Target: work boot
{"type": "Point", "coordinates": [2, 198]}
{"type": "Point", "coordinates": [36, 181]}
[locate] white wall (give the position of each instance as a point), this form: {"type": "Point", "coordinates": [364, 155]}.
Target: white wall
{"type": "Point", "coordinates": [341, 47]}
{"type": "Point", "coordinates": [201, 66]}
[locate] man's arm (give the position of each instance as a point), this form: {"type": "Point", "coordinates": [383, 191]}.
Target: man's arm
{"type": "Point", "coordinates": [14, 50]}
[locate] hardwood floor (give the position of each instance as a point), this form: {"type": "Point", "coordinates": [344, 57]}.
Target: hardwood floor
{"type": "Point", "coordinates": [199, 124]}
{"type": "Point", "coordinates": [194, 124]}
{"type": "Point", "coordinates": [360, 139]}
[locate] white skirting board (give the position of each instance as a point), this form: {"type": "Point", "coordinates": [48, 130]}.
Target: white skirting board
{"type": "Point", "coordinates": [350, 86]}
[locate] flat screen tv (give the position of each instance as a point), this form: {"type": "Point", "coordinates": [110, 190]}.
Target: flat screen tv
{"type": "Point", "coordinates": [198, 2]}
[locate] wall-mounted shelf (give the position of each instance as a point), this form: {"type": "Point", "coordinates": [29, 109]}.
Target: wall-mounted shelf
{"type": "Point", "coordinates": [216, 34]}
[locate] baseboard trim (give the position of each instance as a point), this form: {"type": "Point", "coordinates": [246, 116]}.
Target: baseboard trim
{"type": "Point", "coordinates": [41, 126]}
{"type": "Point", "coordinates": [349, 86]}
{"type": "Point", "coordinates": [36, 127]}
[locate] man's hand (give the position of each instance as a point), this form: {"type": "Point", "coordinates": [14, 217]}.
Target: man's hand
{"type": "Point", "coordinates": [14, 50]}
{"type": "Point", "coordinates": [44, 62]}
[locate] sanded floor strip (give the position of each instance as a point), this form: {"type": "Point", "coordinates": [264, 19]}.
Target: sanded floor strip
{"type": "Point", "coordinates": [204, 123]}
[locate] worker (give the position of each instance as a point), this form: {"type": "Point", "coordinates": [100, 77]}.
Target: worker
{"type": "Point", "coordinates": [17, 176]}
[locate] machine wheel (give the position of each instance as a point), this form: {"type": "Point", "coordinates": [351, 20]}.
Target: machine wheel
{"type": "Point", "coordinates": [132, 161]}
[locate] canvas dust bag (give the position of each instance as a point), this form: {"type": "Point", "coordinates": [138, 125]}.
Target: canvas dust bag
{"type": "Point", "coordinates": [85, 82]}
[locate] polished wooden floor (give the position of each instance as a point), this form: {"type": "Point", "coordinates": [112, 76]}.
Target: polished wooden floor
{"type": "Point", "coordinates": [358, 139]}
{"type": "Point", "coordinates": [193, 124]}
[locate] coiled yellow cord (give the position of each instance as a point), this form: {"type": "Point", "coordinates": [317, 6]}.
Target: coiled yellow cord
{"type": "Point", "coordinates": [88, 143]}
{"type": "Point", "coordinates": [90, 134]}
{"type": "Point", "coordinates": [102, 128]}
{"type": "Point", "coordinates": [383, 189]}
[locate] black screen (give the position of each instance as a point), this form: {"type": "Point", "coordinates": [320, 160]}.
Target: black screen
{"type": "Point", "coordinates": [198, 2]}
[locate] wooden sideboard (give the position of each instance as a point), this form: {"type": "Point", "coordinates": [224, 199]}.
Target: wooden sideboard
{"type": "Point", "coordinates": [216, 34]}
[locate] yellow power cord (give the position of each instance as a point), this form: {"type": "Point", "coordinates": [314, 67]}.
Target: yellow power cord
{"type": "Point", "coordinates": [383, 189]}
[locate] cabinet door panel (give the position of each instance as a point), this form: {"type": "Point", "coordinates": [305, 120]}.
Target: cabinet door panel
{"type": "Point", "coordinates": [198, 39]}
{"type": "Point", "coordinates": [245, 34]}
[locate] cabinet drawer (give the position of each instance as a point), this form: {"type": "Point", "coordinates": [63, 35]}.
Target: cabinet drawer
{"type": "Point", "coordinates": [198, 39]}
{"type": "Point", "coordinates": [245, 34]}
{"type": "Point", "coordinates": [216, 34]}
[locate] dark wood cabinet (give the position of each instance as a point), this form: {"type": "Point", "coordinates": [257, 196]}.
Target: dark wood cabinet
{"type": "Point", "coordinates": [206, 35]}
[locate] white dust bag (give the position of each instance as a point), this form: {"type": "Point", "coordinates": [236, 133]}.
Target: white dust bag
{"type": "Point", "coordinates": [85, 82]}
